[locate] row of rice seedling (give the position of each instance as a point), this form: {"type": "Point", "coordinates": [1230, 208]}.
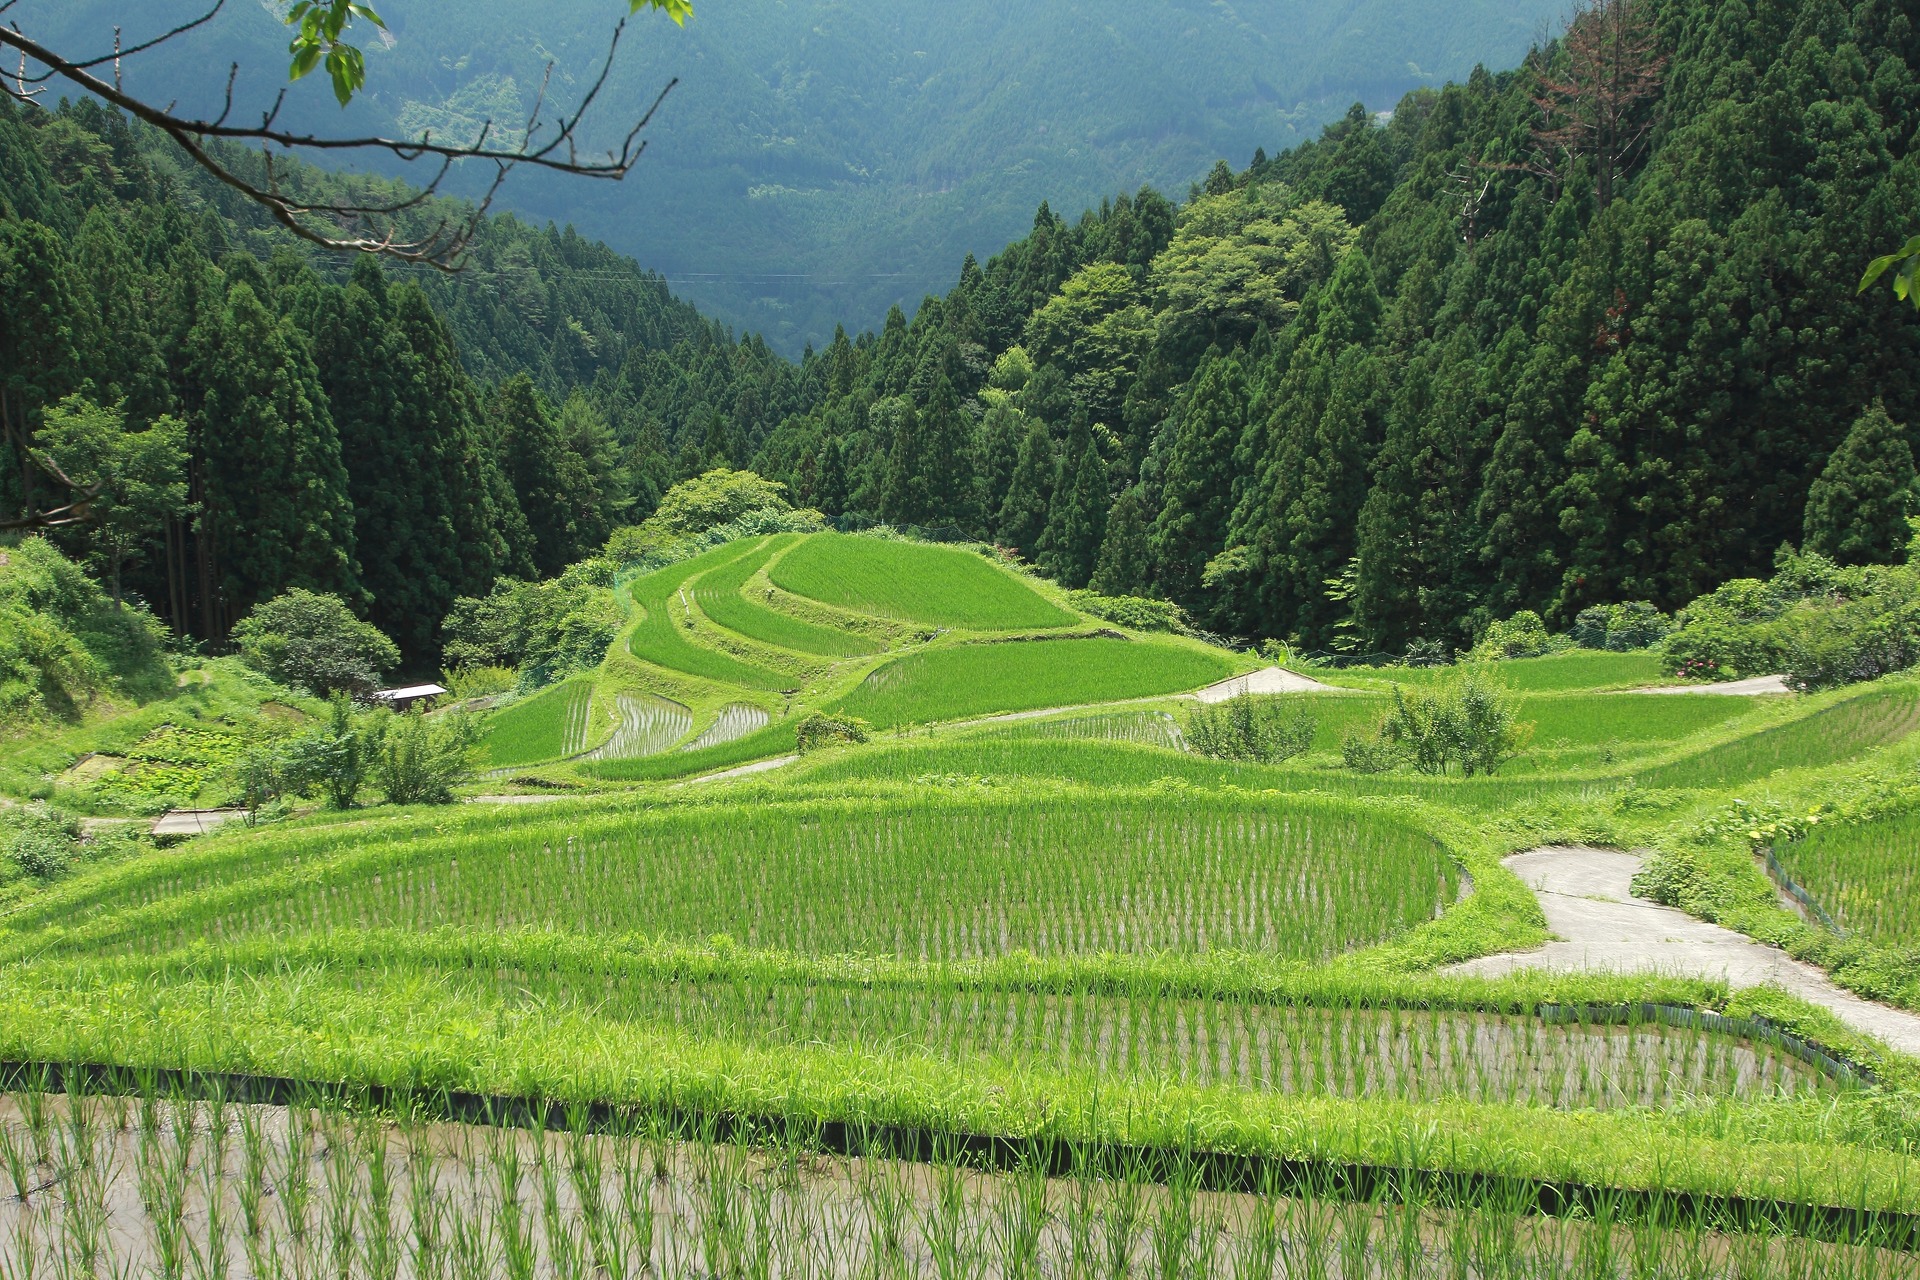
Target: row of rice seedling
{"type": "Point", "coordinates": [740, 720]}
{"type": "Point", "coordinates": [777, 739]}
{"type": "Point", "coordinates": [1147, 728]}
{"type": "Point", "coordinates": [173, 1187]}
{"type": "Point", "coordinates": [1338, 1051]}
{"type": "Point", "coordinates": [661, 636]}
{"type": "Point", "coordinates": [1866, 875]}
{"type": "Point", "coordinates": [646, 726]}
{"type": "Point", "coordinates": [719, 595]}
{"type": "Point", "coordinates": [1842, 731]}
{"type": "Point", "coordinates": [980, 679]}
{"type": "Point", "coordinates": [550, 725]}
{"type": "Point", "coordinates": [914, 582]}
{"type": "Point", "coordinates": [948, 881]}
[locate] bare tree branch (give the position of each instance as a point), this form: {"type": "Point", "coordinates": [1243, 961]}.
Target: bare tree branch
{"type": "Point", "coordinates": [340, 225]}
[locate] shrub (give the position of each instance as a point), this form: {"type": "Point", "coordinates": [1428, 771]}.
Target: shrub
{"type": "Point", "coordinates": [823, 730]}
{"type": "Point", "coordinates": [1250, 727]}
{"type": "Point", "coordinates": [1369, 755]}
{"type": "Point", "coordinates": [543, 629]}
{"type": "Point", "coordinates": [1621, 628]}
{"type": "Point", "coordinates": [39, 841]}
{"type": "Point", "coordinates": [1523, 635]}
{"type": "Point", "coordinates": [1820, 623]}
{"type": "Point", "coordinates": [1470, 723]}
{"type": "Point", "coordinates": [1136, 612]}
{"type": "Point", "coordinates": [420, 760]}
{"type": "Point", "coordinates": [718, 497]}
{"type": "Point", "coordinates": [313, 642]}
{"type": "Point", "coordinates": [62, 641]}
{"type": "Point", "coordinates": [479, 681]}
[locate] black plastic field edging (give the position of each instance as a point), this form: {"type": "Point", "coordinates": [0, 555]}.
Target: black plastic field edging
{"type": "Point", "coordinates": [1219, 1171]}
{"type": "Point", "coordinates": [1813, 1054]}
{"type": "Point", "coordinates": [1783, 880]}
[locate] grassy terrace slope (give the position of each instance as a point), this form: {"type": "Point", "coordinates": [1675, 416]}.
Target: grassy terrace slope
{"type": "Point", "coordinates": [979, 679]}
{"type": "Point", "coordinates": [752, 635]}
{"type": "Point", "coordinates": [914, 582]}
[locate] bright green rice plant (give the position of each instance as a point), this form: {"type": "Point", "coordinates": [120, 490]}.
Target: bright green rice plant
{"type": "Point", "coordinates": [979, 679]}
{"type": "Point", "coordinates": [914, 582]}
{"type": "Point", "coordinates": [720, 596]}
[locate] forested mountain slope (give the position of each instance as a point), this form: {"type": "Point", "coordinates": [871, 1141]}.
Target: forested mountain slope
{"type": "Point", "coordinates": [1406, 379]}
{"type": "Point", "coordinates": [821, 161]}
{"type": "Point", "coordinates": [397, 442]}
{"type": "Point", "coordinates": [1381, 388]}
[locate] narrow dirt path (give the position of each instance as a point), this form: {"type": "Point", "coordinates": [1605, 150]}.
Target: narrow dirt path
{"type": "Point", "coordinates": [1588, 898]}
{"type": "Point", "coordinates": [744, 771]}
{"type": "Point", "coordinates": [1758, 686]}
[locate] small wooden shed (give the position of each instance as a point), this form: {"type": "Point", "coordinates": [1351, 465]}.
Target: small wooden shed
{"type": "Point", "coordinates": [408, 698]}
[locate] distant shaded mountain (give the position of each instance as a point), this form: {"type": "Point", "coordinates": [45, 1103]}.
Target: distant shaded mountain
{"type": "Point", "coordinates": [821, 160]}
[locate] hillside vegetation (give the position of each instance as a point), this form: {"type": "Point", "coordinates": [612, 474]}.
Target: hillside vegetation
{"type": "Point", "coordinates": [1208, 752]}
{"type": "Point", "coordinates": [819, 163]}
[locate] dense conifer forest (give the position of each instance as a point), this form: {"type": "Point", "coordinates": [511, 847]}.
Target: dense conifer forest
{"type": "Point", "coordinates": [1378, 390]}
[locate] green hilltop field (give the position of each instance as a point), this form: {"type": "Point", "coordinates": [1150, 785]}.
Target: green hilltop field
{"type": "Point", "coordinates": [737, 645]}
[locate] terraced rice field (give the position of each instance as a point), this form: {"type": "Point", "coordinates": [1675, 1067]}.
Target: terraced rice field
{"type": "Point", "coordinates": [719, 595]}
{"type": "Point", "coordinates": [982, 679]}
{"type": "Point", "coordinates": [551, 725]}
{"type": "Point", "coordinates": [154, 1185]}
{"type": "Point", "coordinates": [1866, 876]}
{"type": "Point", "coordinates": [738, 721]}
{"type": "Point", "coordinates": [646, 726]}
{"type": "Point", "coordinates": [1568, 672]}
{"type": "Point", "coordinates": [1840, 732]}
{"type": "Point", "coordinates": [661, 635]}
{"type": "Point", "coordinates": [1343, 1051]}
{"type": "Point", "coordinates": [1148, 728]}
{"type": "Point", "coordinates": [914, 582]}
{"type": "Point", "coordinates": [947, 882]}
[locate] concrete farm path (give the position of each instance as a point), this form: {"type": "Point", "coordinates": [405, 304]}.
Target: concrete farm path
{"type": "Point", "coordinates": [1757, 687]}
{"type": "Point", "coordinates": [1588, 898]}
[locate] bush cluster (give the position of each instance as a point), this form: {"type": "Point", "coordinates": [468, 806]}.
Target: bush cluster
{"type": "Point", "coordinates": [1262, 729]}
{"type": "Point", "coordinates": [823, 730]}
{"type": "Point", "coordinates": [1524, 635]}
{"type": "Point", "coordinates": [1468, 723]}
{"type": "Point", "coordinates": [1819, 623]}
{"type": "Point", "coordinates": [37, 841]}
{"type": "Point", "coordinates": [412, 758]}
{"type": "Point", "coordinates": [1137, 613]}
{"type": "Point", "coordinates": [1621, 628]}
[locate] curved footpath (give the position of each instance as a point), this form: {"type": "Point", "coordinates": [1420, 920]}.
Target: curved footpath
{"type": "Point", "coordinates": [1590, 906]}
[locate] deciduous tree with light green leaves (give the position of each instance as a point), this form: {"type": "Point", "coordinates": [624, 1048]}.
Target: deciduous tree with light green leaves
{"type": "Point", "coordinates": [134, 481]}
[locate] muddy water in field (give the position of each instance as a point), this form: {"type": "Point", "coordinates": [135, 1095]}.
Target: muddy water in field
{"type": "Point", "coordinates": [129, 1187]}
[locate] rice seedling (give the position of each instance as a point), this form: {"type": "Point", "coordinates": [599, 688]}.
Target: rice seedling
{"type": "Point", "coordinates": [945, 882]}
{"type": "Point", "coordinates": [979, 679]}
{"type": "Point", "coordinates": [1839, 732]}
{"type": "Point", "coordinates": [720, 596]}
{"type": "Point", "coordinates": [913, 582]}
{"type": "Point", "coordinates": [721, 1210]}
{"type": "Point", "coordinates": [645, 725]}
{"type": "Point", "coordinates": [1866, 875]}
{"type": "Point", "coordinates": [734, 722]}
{"type": "Point", "coordinates": [550, 725]}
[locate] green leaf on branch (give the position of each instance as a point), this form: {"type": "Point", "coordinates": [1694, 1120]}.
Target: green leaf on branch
{"type": "Point", "coordinates": [1905, 263]}
{"type": "Point", "coordinates": [319, 25]}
